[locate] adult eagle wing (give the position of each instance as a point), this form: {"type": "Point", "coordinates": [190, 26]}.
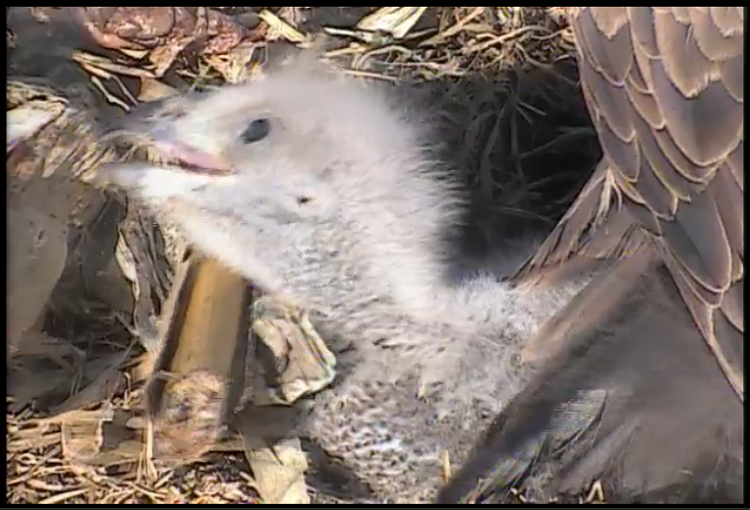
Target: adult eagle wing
{"type": "Point", "coordinates": [664, 87]}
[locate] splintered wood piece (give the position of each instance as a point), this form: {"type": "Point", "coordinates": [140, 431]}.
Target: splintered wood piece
{"type": "Point", "coordinates": [204, 341]}
{"type": "Point", "coordinates": [294, 360]}
{"type": "Point", "coordinates": [100, 438]}
{"type": "Point", "coordinates": [279, 473]}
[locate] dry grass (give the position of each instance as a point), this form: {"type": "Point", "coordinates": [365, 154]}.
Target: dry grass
{"type": "Point", "coordinates": [514, 123]}
{"type": "Point", "coordinates": [38, 473]}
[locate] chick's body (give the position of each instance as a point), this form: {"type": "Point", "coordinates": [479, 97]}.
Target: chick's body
{"type": "Point", "coordinates": [319, 189]}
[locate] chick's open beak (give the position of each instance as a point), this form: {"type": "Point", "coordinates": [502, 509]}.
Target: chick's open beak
{"type": "Point", "coordinates": [189, 158]}
{"type": "Point", "coordinates": [153, 126]}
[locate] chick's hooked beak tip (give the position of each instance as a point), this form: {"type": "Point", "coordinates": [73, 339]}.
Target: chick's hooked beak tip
{"type": "Point", "coordinates": [166, 150]}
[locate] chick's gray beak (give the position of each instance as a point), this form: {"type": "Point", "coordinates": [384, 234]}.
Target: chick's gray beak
{"type": "Point", "coordinates": [152, 126]}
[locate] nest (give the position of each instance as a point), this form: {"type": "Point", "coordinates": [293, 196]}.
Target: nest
{"type": "Point", "coordinates": [512, 119]}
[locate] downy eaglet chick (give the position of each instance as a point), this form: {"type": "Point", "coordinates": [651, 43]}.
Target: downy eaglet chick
{"type": "Point", "coordinates": [318, 188]}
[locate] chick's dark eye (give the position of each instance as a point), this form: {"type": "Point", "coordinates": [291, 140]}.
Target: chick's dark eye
{"type": "Point", "coordinates": [257, 130]}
